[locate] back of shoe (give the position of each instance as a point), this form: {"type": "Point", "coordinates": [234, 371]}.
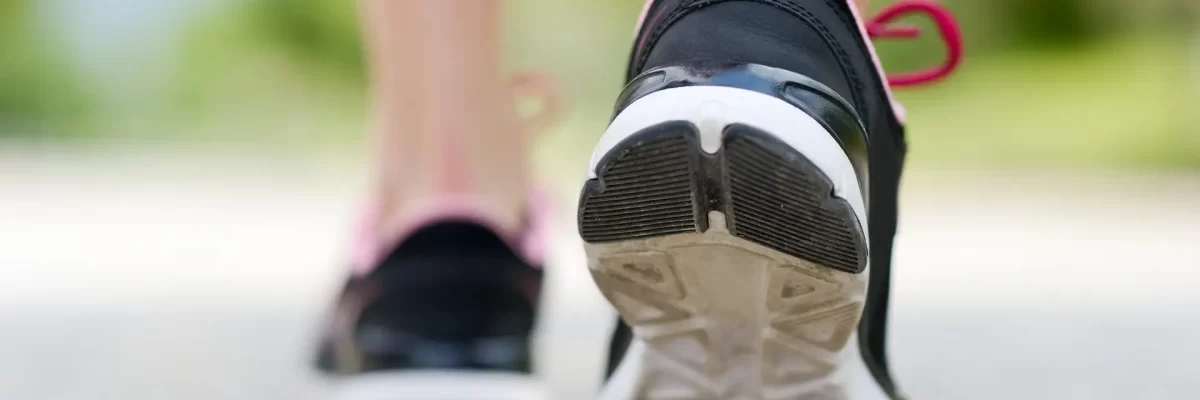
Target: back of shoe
{"type": "Point", "coordinates": [448, 314]}
{"type": "Point", "coordinates": [725, 216]}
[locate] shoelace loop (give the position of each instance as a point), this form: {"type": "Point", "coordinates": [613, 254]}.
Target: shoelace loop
{"type": "Point", "coordinates": [544, 88]}
{"type": "Point", "coordinates": [880, 28]}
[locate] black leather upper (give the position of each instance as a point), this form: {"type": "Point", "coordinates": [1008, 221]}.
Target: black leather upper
{"type": "Point", "coordinates": [452, 296]}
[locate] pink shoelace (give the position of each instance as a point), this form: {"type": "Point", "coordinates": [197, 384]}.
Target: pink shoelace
{"type": "Point", "coordinates": [881, 27]}
{"type": "Point", "coordinates": [545, 87]}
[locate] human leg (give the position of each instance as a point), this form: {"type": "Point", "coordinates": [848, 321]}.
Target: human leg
{"type": "Point", "coordinates": [446, 267]}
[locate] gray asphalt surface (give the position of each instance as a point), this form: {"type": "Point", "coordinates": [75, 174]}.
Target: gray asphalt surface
{"type": "Point", "coordinates": [203, 279]}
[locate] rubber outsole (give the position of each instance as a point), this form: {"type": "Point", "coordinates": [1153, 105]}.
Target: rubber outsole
{"type": "Point", "coordinates": [660, 182]}
{"type": "Point", "coordinates": [739, 270]}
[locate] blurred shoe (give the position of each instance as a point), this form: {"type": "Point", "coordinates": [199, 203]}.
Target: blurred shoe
{"type": "Point", "coordinates": [447, 314]}
{"type": "Point", "coordinates": [727, 212]}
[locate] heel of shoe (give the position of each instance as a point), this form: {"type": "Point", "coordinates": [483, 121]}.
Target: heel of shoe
{"type": "Point", "coordinates": [724, 229]}
{"type": "Point", "coordinates": [660, 182]}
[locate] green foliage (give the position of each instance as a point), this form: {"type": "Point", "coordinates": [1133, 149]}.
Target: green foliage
{"type": "Point", "coordinates": [37, 87]}
{"type": "Point", "coordinates": [1007, 26]}
{"type": "Point", "coordinates": [1047, 22]}
{"type": "Point", "coordinates": [1056, 73]}
{"type": "Point", "coordinates": [1117, 105]}
{"type": "Point", "coordinates": [253, 53]}
{"type": "Point", "coordinates": [318, 32]}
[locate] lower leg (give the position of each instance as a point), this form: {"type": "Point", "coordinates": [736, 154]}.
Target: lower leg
{"type": "Point", "coordinates": [445, 132]}
{"type": "Point", "coordinates": [437, 276]}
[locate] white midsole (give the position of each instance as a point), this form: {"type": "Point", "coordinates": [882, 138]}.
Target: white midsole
{"type": "Point", "coordinates": [440, 385]}
{"type": "Point", "coordinates": [853, 378]}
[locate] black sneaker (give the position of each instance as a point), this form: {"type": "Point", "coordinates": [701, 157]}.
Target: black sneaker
{"type": "Point", "coordinates": [447, 315]}
{"type": "Point", "coordinates": [743, 199]}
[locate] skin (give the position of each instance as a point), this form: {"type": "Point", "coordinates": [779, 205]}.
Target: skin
{"type": "Point", "coordinates": [445, 129]}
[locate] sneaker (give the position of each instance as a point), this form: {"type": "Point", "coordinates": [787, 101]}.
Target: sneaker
{"type": "Point", "coordinates": [443, 306]}
{"type": "Point", "coordinates": [743, 200]}
{"type": "Point", "coordinates": [447, 314]}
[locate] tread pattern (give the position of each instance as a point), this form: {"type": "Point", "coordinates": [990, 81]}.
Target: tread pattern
{"type": "Point", "coordinates": [781, 201]}
{"type": "Point", "coordinates": [658, 182]}
{"type": "Point", "coordinates": [645, 190]}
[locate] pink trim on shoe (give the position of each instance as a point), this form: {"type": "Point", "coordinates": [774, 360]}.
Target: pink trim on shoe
{"type": "Point", "coordinates": [372, 241]}
{"type": "Point", "coordinates": [897, 108]}
{"type": "Point", "coordinates": [642, 17]}
{"type": "Point", "coordinates": [540, 217]}
{"type": "Point", "coordinates": [642, 42]}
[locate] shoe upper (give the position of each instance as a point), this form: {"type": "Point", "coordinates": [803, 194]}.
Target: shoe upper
{"type": "Point", "coordinates": [453, 295]}
{"type": "Point", "coordinates": [827, 43]}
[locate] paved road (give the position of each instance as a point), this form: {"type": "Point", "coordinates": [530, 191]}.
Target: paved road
{"type": "Point", "coordinates": [156, 278]}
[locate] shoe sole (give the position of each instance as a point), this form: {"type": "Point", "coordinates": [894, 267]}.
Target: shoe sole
{"type": "Point", "coordinates": [727, 228]}
{"type": "Point", "coordinates": [439, 385]}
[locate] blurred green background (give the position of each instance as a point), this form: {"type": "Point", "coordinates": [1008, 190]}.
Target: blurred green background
{"type": "Point", "coordinates": [1088, 84]}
